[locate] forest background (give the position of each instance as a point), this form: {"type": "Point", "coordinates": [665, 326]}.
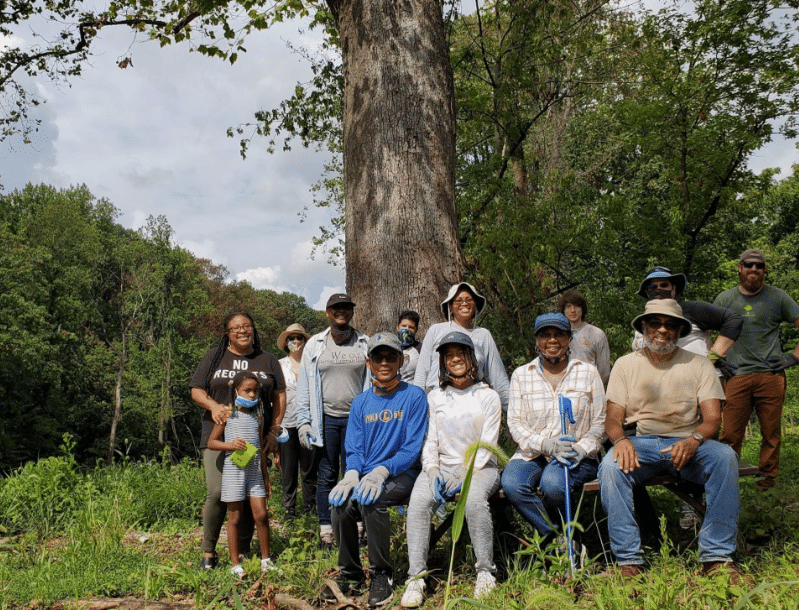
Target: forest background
{"type": "Point", "coordinates": [592, 144]}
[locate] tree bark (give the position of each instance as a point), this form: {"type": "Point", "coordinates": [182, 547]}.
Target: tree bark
{"type": "Point", "coordinates": [402, 248]}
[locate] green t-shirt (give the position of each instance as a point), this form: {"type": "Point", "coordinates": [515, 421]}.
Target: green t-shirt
{"type": "Point", "coordinates": [760, 337]}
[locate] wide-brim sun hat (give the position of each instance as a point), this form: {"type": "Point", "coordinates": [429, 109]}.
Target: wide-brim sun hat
{"type": "Point", "coordinates": [678, 279]}
{"type": "Point", "coordinates": [479, 299]}
{"type": "Point", "coordinates": [663, 307]}
{"type": "Point", "coordinates": [291, 330]}
{"type": "Point", "coordinates": [455, 338]}
{"type": "Point", "coordinates": [556, 320]}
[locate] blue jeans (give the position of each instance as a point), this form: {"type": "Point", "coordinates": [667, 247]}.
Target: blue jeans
{"type": "Point", "coordinates": [714, 465]}
{"type": "Point", "coordinates": [521, 481]}
{"type": "Point", "coordinates": [331, 462]}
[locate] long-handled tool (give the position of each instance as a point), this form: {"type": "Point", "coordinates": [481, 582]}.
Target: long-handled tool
{"type": "Point", "coordinates": [566, 417]}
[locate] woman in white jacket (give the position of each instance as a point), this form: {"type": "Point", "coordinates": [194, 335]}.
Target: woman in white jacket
{"type": "Point", "coordinates": [462, 410]}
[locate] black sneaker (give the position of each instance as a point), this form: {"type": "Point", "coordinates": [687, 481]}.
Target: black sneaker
{"type": "Point", "coordinates": [351, 588]}
{"type": "Point", "coordinates": [381, 590]}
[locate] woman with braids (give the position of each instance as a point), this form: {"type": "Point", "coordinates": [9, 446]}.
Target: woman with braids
{"type": "Point", "coordinates": [238, 350]}
{"type": "Point", "coordinates": [462, 411]}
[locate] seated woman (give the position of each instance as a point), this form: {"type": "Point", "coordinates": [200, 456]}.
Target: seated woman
{"type": "Point", "coordinates": [462, 410]}
{"type": "Point", "coordinates": [534, 423]}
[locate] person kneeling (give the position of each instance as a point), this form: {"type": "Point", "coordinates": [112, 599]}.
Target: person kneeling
{"type": "Point", "coordinates": [384, 439]}
{"type": "Point", "coordinates": [462, 411]}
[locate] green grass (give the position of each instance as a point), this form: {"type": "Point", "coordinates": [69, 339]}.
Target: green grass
{"type": "Point", "coordinates": [133, 530]}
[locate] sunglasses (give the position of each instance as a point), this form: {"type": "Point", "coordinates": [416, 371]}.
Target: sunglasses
{"type": "Point", "coordinates": [655, 323]}
{"type": "Point", "coordinates": [755, 264]}
{"type": "Point", "coordinates": [391, 358]}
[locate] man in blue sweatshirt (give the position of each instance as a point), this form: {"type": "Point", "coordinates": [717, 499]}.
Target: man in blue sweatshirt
{"type": "Point", "coordinates": [384, 440]}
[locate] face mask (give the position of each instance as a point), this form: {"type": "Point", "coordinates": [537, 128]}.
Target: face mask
{"type": "Point", "coordinates": [658, 293]}
{"type": "Point", "coordinates": [406, 337]}
{"type": "Point", "coordinates": [295, 346]}
{"type": "Point", "coordinates": [246, 403]}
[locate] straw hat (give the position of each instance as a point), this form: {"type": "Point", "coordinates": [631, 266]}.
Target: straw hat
{"type": "Point", "coordinates": [291, 330]}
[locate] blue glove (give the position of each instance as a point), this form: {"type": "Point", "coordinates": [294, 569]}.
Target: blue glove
{"type": "Point", "coordinates": [307, 437]}
{"type": "Point", "coordinates": [560, 449]}
{"type": "Point", "coordinates": [371, 486]}
{"type": "Point", "coordinates": [435, 478]}
{"type": "Point", "coordinates": [339, 494]}
{"type": "Point", "coordinates": [445, 494]}
{"type": "Point", "coordinates": [780, 363]}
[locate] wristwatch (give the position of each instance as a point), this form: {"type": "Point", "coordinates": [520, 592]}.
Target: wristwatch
{"type": "Point", "coordinates": [698, 437]}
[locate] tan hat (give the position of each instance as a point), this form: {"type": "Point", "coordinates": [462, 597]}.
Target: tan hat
{"type": "Point", "coordinates": [664, 307]}
{"type": "Point", "coordinates": [294, 328]}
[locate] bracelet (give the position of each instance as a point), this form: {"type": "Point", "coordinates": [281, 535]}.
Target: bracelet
{"type": "Point", "coordinates": [618, 440]}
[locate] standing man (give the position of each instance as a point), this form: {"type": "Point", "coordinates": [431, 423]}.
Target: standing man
{"type": "Point", "coordinates": [384, 443]}
{"type": "Point", "coordinates": [759, 383]}
{"type": "Point", "coordinates": [407, 327]}
{"type": "Point", "coordinates": [332, 374]}
{"type": "Point", "coordinates": [588, 343]}
{"type": "Point", "coordinates": [674, 398]}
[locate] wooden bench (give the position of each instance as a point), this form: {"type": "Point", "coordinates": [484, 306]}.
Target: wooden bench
{"type": "Point", "coordinates": [685, 490]}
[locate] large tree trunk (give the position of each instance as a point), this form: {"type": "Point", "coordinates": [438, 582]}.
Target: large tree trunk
{"type": "Point", "coordinates": [402, 248]}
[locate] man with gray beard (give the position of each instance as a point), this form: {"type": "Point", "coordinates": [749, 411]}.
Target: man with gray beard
{"type": "Point", "coordinates": [674, 398]}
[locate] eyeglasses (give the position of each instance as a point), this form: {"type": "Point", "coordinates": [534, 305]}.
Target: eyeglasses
{"type": "Point", "coordinates": [546, 335]}
{"type": "Point", "coordinates": [664, 285]}
{"type": "Point", "coordinates": [656, 323]}
{"type": "Point", "coordinates": [460, 302]}
{"type": "Point", "coordinates": [755, 264]}
{"type": "Point", "coordinates": [238, 329]}
{"type": "Point", "coordinates": [296, 338]}
{"type": "Point", "coordinates": [391, 358]}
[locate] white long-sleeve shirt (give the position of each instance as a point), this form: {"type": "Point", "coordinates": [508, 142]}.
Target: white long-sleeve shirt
{"type": "Point", "coordinates": [534, 416]}
{"type": "Point", "coordinates": [458, 418]}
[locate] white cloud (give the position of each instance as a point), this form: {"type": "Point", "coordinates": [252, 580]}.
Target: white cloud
{"type": "Point", "coordinates": [263, 278]}
{"type": "Point", "coordinates": [327, 291]}
{"type": "Point", "coordinates": [207, 248]}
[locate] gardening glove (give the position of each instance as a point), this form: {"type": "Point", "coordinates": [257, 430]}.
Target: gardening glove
{"type": "Point", "coordinates": [436, 478]}
{"type": "Point", "coordinates": [581, 455]}
{"type": "Point", "coordinates": [307, 437]}
{"type": "Point", "coordinates": [559, 448]}
{"type": "Point", "coordinates": [340, 493]}
{"type": "Point", "coordinates": [726, 369]}
{"type": "Point", "coordinates": [780, 363]}
{"type": "Point", "coordinates": [447, 493]}
{"type": "Point", "coordinates": [371, 486]}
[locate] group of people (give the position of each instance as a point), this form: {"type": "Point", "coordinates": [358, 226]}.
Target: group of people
{"type": "Point", "coordinates": [380, 421]}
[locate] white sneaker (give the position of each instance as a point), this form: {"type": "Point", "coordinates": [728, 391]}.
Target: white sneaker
{"type": "Point", "coordinates": [485, 583]}
{"type": "Point", "coordinates": [267, 565]}
{"type": "Point", "coordinates": [414, 593]}
{"type": "Point", "coordinates": [237, 571]}
{"type": "Point", "coordinates": [326, 535]}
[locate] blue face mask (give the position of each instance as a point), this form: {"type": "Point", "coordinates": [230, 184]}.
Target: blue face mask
{"type": "Point", "coordinates": [406, 337]}
{"type": "Point", "coordinates": [246, 403]}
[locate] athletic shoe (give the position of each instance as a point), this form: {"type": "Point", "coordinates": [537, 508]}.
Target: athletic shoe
{"type": "Point", "coordinates": [237, 571]}
{"type": "Point", "coordinates": [351, 588]}
{"type": "Point", "coordinates": [267, 565]}
{"type": "Point", "coordinates": [414, 593]}
{"type": "Point", "coordinates": [381, 590]}
{"type": "Point", "coordinates": [485, 583]}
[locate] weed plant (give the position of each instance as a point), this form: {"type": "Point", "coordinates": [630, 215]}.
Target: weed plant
{"type": "Point", "coordinates": [132, 530]}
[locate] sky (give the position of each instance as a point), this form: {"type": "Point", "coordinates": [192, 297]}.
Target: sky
{"type": "Point", "coordinates": [151, 139]}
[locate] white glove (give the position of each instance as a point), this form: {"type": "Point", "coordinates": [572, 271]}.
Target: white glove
{"type": "Point", "coordinates": [371, 486]}
{"type": "Point", "coordinates": [340, 493]}
{"type": "Point", "coordinates": [307, 437]}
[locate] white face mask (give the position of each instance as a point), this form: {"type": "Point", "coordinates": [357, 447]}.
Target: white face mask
{"type": "Point", "coordinates": [295, 346]}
